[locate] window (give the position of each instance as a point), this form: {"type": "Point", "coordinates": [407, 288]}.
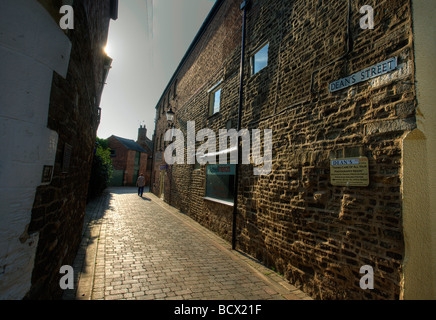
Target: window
{"type": "Point", "coordinates": [259, 60]}
{"type": "Point", "coordinates": [220, 179]}
{"type": "Point", "coordinates": [215, 99]}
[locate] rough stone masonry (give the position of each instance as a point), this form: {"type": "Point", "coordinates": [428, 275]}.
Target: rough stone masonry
{"type": "Point", "coordinates": [294, 220]}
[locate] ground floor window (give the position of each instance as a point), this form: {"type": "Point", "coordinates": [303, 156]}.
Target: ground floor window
{"type": "Point", "coordinates": [220, 179]}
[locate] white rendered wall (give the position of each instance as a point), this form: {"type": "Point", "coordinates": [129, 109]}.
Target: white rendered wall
{"type": "Point", "coordinates": [32, 47]}
{"type": "Point", "coordinates": [419, 156]}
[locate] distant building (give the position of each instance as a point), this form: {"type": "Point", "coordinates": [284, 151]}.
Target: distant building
{"type": "Point", "coordinates": [130, 158]}
{"type": "Point", "coordinates": [51, 81]}
{"type": "Point", "coordinates": [147, 144]}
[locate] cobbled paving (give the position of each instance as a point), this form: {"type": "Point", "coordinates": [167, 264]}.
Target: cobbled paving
{"type": "Point", "coordinates": [145, 250]}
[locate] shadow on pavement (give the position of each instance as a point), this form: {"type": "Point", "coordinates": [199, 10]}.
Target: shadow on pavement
{"type": "Point", "coordinates": [93, 218]}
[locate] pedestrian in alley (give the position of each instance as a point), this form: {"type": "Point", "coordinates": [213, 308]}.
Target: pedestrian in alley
{"type": "Point", "coordinates": [140, 183]}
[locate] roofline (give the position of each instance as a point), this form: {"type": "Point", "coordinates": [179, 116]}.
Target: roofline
{"type": "Point", "coordinates": [130, 140]}
{"type": "Point", "coordinates": [193, 44]}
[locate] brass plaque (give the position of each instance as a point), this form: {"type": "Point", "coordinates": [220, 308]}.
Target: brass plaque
{"type": "Point", "coordinates": [349, 172]}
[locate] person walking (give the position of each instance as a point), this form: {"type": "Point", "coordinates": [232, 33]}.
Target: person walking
{"type": "Point", "coordinates": [140, 183]}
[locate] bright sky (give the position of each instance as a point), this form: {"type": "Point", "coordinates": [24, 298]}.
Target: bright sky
{"type": "Point", "coordinates": [147, 43]}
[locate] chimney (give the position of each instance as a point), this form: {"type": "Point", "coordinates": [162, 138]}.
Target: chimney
{"type": "Point", "coordinates": [142, 134]}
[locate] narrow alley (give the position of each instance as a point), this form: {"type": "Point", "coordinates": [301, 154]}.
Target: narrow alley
{"type": "Point", "coordinates": [300, 133]}
{"type": "Point", "coordinates": [137, 248]}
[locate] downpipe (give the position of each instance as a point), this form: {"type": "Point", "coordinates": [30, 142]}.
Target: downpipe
{"type": "Point", "coordinates": [244, 6]}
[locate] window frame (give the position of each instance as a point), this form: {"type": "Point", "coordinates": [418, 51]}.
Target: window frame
{"type": "Point", "coordinates": [230, 185]}
{"type": "Point", "coordinates": [253, 57]}
{"type": "Point", "coordinates": [212, 92]}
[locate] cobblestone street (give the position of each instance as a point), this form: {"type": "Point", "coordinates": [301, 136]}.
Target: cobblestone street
{"type": "Point", "coordinates": [137, 248]}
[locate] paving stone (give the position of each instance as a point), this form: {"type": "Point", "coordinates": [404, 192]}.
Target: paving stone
{"type": "Point", "coordinates": [148, 250]}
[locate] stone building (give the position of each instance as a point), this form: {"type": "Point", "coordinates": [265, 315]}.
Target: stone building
{"type": "Point", "coordinates": [349, 127]}
{"type": "Point", "coordinates": [130, 158]}
{"type": "Point", "coordinates": [51, 81]}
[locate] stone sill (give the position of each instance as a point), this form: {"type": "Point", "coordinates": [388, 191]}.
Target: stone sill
{"type": "Point", "coordinates": [226, 203]}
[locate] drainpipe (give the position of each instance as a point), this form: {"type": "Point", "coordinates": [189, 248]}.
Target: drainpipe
{"type": "Point", "coordinates": [241, 86]}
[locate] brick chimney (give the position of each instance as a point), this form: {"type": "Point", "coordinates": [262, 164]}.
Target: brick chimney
{"type": "Point", "coordinates": [142, 135]}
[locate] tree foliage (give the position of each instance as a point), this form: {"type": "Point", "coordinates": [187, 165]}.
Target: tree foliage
{"type": "Point", "coordinates": [102, 169]}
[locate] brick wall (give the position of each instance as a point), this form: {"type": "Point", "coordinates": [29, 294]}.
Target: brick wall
{"type": "Point", "coordinates": [293, 219]}
{"type": "Point", "coordinates": [124, 160]}
{"type": "Point", "coordinates": [119, 161]}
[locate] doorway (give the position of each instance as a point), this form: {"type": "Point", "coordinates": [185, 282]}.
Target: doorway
{"type": "Point", "coordinates": [163, 174]}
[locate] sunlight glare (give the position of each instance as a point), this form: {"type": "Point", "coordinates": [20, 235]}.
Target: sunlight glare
{"type": "Point", "coordinates": [107, 49]}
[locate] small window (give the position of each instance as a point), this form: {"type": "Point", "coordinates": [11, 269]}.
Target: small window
{"type": "Point", "coordinates": [259, 60]}
{"type": "Point", "coordinates": [215, 99]}
{"type": "Point", "coordinates": [113, 153]}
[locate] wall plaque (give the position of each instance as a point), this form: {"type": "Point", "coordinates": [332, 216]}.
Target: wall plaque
{"type": "Point", "coordinates": [47, 174]}
{"type": "Point", "coordinates": [349, 172]}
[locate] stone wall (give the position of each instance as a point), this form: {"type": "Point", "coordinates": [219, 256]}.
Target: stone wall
{"type": "Point", "coordinates": [294, 219]}
{"type": "Point", "coordinates": [143, 163]}
{"type": "Point", "coordinates": [59, 206]}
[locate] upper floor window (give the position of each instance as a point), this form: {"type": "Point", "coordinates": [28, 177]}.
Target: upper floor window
{"type": "Point", "coordinates": [215, 99]}
{"type": "Point", "coordinates": [259, 59]}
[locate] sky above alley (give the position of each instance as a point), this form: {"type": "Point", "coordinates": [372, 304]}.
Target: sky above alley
{"type": "Point", "coordinates": [147, 43]}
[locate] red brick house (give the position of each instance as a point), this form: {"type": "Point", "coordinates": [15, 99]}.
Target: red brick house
{"type": "Point", "coordinates": [130, 158]}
